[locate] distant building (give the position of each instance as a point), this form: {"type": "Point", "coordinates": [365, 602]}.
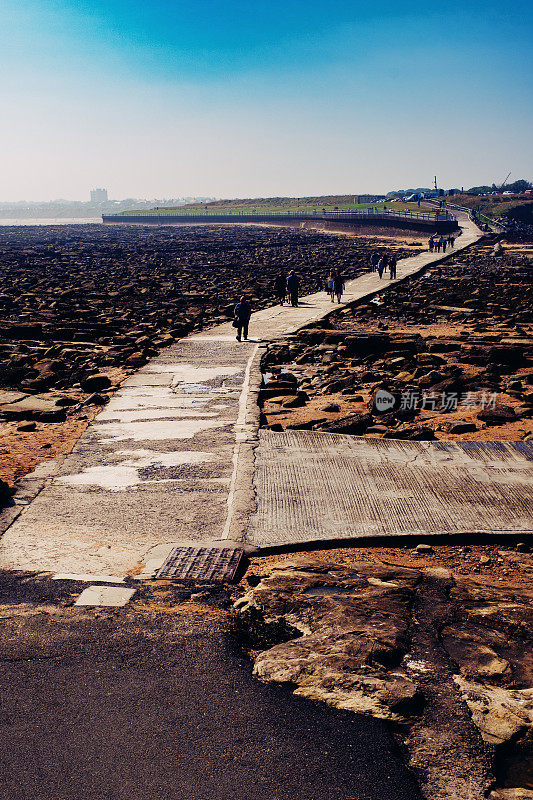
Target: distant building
{"type": "Point", "coordinates": [98, 195]}
{"type": "Point", "coordinates": [368, 198]}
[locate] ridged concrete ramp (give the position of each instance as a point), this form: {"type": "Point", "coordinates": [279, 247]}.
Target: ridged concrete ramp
{"type": "Point", "coordinates": [321, 487]}
{"type": "Point", "coordinates": [170, 459]}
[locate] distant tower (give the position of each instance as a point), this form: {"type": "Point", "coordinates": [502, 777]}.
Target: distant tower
{"type": "Point", "coordinates": [98, 195]}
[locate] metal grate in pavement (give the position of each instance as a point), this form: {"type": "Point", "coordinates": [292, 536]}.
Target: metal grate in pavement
{"type": "Point", "coordinates": [207, 564]}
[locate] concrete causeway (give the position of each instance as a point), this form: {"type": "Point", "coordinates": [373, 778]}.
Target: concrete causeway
{"type": "Point", "coordinates": [170, 460]}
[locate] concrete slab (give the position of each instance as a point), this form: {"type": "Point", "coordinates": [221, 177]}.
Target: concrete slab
{"type": "Point", "coordinates": [321, 487]}
{"type": "Point", "coordinates": [105, 596]}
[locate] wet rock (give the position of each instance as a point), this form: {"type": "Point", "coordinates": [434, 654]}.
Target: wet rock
{"type": "Point", "coordinates": [66, 401]}
{"type": "Point", "coordinates": [500, 714]}
{"type": "Point", "coordinates": [413, 433]}
{"type": "Point", "coordinates": [296, 402]}
{"type": "Point", "coordinates": [353, 625]}
{"type": "Point", "coordinates": [27, 427]}
{"type": "Point", "coordinates": [377, 429]}
{"type": "Point", "coordinates": [490, 634]}
{"type": "Point", "coordinates": [58, 415]}
{"type": "Point", "coordinates": [355, 424]}
{"type": "Point", "coordinates": [459, 426]}
{"type": "Point", "coordinates": [6, 493]}
{"type": "Point", "coordinates": [95, 383]}
{"type": "Point", "coordinates": [96, 400]}
{"type": "Point", "coordinates": [498, 415]}
{"type": "Point", "coordinates": [330, 407]}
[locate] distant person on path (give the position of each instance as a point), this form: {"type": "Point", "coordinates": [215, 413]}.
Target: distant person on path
{"type": "Point", "coordinates": [430, 244]}
{"type": "Point", "coordinates": [330, 284]}
{"type": "Point", "coordinates": [437, 245]}
{"type": "Point", "coordinates": [392, 267]}
{"type": "Point", "coordinates": [451, 240]}
{"type": "Point", "coordinates": [338, 285]}
{"type": "Point", "coordinates": [381, 266]}
{"type": "Point", "coordinates": [293, 284]}
{"type": "Point", "coordinates": [442, 243]}
{"type": "Point", "coordinates": [242, 312]}
{"type": "Point", "coordinates": [374, 258]}
{"type": "Point", "coordinates": [280, 288]}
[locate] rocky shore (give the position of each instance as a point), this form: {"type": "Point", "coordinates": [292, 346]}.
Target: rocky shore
{"type": "Point", "coordinates": [452, 351]}
{"type": "Point", "coordinates": [84, 306]}
{"type": "Point", "coordinates": [404, 637]}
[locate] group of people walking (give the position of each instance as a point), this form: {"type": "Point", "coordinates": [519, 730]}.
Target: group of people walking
{"type": "Point", "coordinates": [437, 243]}
{"type": "Point", "coordinates": [380, 262]}
{"type": "Point", "coordinates": [334, 285]}
{"type": "Point", "coordinates": [286, 288]}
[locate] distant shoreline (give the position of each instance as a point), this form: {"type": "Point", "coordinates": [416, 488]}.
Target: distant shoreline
{"type": "Point", "coordinates": [12, 222]}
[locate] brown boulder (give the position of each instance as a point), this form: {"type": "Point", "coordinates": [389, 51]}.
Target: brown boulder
{"type": "Point", "coordinates": [95, 383]}
{"type": "Point", "coordinates": [355, 424]}
{"type": "Point", "coordinates": [498, 415]}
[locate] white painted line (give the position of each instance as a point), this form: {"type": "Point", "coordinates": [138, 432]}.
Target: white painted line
{"type": "Point", "coordinates": [239, 425]}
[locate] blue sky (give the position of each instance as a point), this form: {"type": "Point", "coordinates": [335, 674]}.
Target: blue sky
{"type": "Point", "coordinates": [230, 98]}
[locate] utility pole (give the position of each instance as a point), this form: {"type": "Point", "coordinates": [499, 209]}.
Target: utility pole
{"type": "Point", "coordinates": [436, 184]}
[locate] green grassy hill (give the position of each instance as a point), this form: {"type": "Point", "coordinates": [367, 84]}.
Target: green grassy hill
{"type": "Point", "coordinates": [283, 204]}
{"type": "Point", "coordinates": [493, 206]}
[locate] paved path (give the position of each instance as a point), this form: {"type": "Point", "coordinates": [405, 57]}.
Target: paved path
{"type": "Point", "coordinates": [170, 459]}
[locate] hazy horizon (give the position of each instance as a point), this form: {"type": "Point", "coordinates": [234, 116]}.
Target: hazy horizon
{"type": "Point", "coordinates": [232, 100]}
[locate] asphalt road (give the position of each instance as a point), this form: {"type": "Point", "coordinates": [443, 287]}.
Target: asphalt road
{"type": "Point", "coordinates": [144, 703]}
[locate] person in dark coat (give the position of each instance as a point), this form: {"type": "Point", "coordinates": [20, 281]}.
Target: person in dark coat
{"type": "Point", "coordinates": [243, 312]}
{"type": "Point", "coordinates": [338, 285]}
{"type": "Point", "coordinates": [280, 287]}
{"type": "Point", "coordinates": [293, 284]}
{"type": "Point", "coordinates": [392, 267]}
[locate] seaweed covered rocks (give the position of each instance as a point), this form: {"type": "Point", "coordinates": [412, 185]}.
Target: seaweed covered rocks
{"type": "Point", "coordinates": [445, 355]}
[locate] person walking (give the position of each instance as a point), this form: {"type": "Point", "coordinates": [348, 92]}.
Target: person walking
{"type": "Point", "coordinates": [430, 244]}
{"type": "Point", "coordinates": [374, 258]}
{"type": "Point", "coordinates": [242, 313]}
{"type": "Point", "coordinates": [442, 243]}
{"type": "Point", "coordinates": [338, 285]}
{"type": "Point", "coordinates": [451, 240]}
{"type": "Point", "coordinates": [330, 284]}
{"type": "Point", "coordinates": [437, 245]}
{"type": "Point", "coordinates": [280, 288]}
{"type": "Point", "coordinates": [392, 267]}
{"type": "Point", "coordinates": [293, 284]}
{"type": "Point", "coordinates": [381, 266]}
